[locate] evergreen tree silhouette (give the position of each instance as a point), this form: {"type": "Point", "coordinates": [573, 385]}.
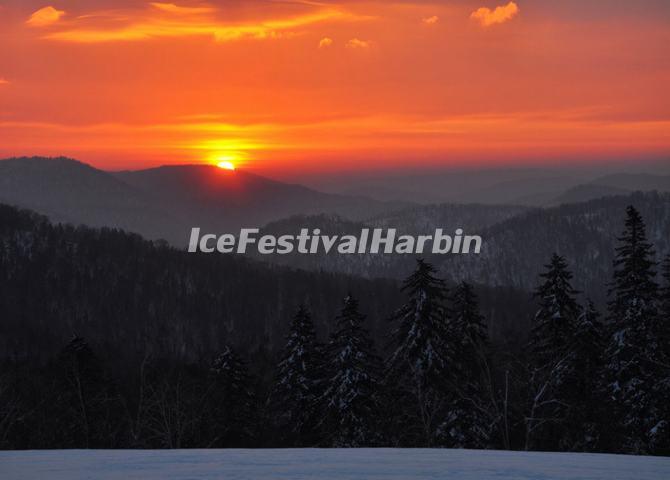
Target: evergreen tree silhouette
{"type": "Point", "coordinates": [350, 399]}
{"type": "Point", "coordinates": [583, 388]}
{"type": "Point", "coordinates": [417, 369]}
{"type": "Point", "coordinates": [233, 402]}
{"type": "Point", "coordinates": [299, 382]}
{"type": "Point", "coordinates": [551, 356]}
{"type": "Point", "coordinates": [468, 420]}
{"type": "Point", "coordinates": [554, 323]}
{"type": "Point", "coordinates": [664, 306]}
{"type": "Point", "coordinates": [637, 382]}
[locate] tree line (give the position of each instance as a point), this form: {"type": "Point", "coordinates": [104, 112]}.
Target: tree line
{"type": "Point", "coordinates": [584, 381]}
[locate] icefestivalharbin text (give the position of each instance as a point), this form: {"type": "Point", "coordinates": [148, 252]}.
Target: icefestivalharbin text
{"type": "Point", "coordinates": [373, 241]}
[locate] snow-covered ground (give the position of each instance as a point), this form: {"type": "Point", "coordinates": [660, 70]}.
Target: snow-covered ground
{"type": "Point", "coordinates": [368, 464]}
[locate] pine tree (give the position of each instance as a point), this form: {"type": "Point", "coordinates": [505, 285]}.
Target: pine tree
{"type": "Point", "coordinates": [350, 403]}
{"type": "Point", "coordinates": [232, 400]}
{"type": "Point", "coordinates": [554, 322]}
{"type": "Point", "coordinates": [582, 389]}
{"type": "Point", "coordinates": [663, 437]}
{"type": "Point", "coordinates": [468, 321]}
{"type": "Point", "coordinates": [299, 383]}
{"type": "Point", "coordinates": [468, 420]}
{"type": "Point", "coordinates": [636, 372]}
{"type": "Point", "coordinates": [417, 370]}
{"type": "Point", "coordinates": [550, 356]}
{"type": "Point", "coordinates": [664, 307]}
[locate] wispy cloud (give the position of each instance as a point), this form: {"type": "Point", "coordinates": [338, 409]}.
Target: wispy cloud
{"type": "Point", "coordinates": [325, 42]}
{"type": "Point", "coordinates": [431, 20]}
{"type": "Point", "coordinates": [501, 14]}
{"type": "Point", "coordinates": [4, 81]}
{"type": "Point", "coordinates": [165, 20]}
{"type": "Point", "coordinates": [172, 8]}
{"type": "Point", "coordinates": [357, 43]}
{"type": "Point", "coordinates": [45, 16]}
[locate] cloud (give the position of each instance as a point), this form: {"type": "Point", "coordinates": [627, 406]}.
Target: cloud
{"type": "Point", "coordinates": [501, 14]}
{"type": "Point", "coordinates": [172, 8]}
{"type": "Point", "coordinates": [356, 43]}
{"type": "Point", "coordinates": [4, 81]}
{"type": "Point", "coordinates": [325, 42]}
{"type": "Point", "coordinates": [166, 20]}
{"type": "Point", "coordinates": [45, 16]}
{"type": "Point", "coordinates": [431, 20]}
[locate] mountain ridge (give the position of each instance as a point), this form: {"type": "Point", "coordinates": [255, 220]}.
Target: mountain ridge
{"type": "Point", "coordinates": [165, 202]}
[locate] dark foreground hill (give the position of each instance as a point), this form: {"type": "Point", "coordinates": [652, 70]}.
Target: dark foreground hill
{"type": "Point", "coordinates": [111, 341]}
{"type": "Point", "coordinates": [131, 297]}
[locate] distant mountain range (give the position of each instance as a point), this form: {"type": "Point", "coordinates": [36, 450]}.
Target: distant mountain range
{"type": "Point", "coordinates": [512, 186]}
{"type": "Point", "coordinates": [608, 185]}
{"type": "Point", "coordinates": [517, 241]}
{"type": "Point", "coordinates": [166, 202]}
{"type": "Point", "coordinates": [68, 191]}
{"type": "Point", "coordinates": [584, 193]}
{"type": "Point", "coordinates": [585, 233]}
{"type": "Point", "coordinates": [581, 222]}
{"type": "Point", "coordinates": [416, 220]}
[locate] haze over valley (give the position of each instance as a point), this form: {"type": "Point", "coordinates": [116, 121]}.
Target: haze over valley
{"type": "Point", "coordinates": [582, 221]}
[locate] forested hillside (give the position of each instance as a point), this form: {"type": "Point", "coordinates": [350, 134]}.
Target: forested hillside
{"type": "Point", "coordinates": [417, 220]}
{"type": "Point", "coordinates": [130, 295]}
{"type": "Point", "coordinates": [585, 233]}
{"type": "Point", "coordinates": [516, 240]}
{"type": "Point", "coordinates": [421, 220]}
{"type": "Point", "coordinates": [109, 340]}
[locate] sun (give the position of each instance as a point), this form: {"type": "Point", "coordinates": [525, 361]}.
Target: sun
{"type": "Point", "coordinates": [225, 161]}
{"type": "Point", "coordinates": [226, 165]}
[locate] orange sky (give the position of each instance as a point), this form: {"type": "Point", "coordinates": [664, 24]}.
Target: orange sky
{"type": "Point", "coordinates": [281, 86]}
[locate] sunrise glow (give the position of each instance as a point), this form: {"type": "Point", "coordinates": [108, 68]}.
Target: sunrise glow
{"type": "Point", "coordinates": [293, 87]}
{"type": "Point", "coordinates": [226, 165]}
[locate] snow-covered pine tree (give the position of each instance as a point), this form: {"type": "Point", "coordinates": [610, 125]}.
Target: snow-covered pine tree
{"type": "Point", "coordinates": [350, 399]}
{"type": "Point", "coordinates": [550, 356]}
{"type": "Point", "coordinates": [299, 383]}
{"type": "Point", "coordinates": [663, 438]}
{"type": "Point", "coordinates": [664, 306]}
{"type": "Point", "coordinates": [417, 370]}
{"type": "Point", "coordinates": [583, 388]}
{"type": "Point", "coordinates": [468, 330]}
{"type": "Point", "coordinates": [468, 419]}
{"type": "Point", "coordinates": [232, 400]}
{"type": "Point", "coordinates": [554, 322]}
{"type": "Point", "coordinates": [636, 370]}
